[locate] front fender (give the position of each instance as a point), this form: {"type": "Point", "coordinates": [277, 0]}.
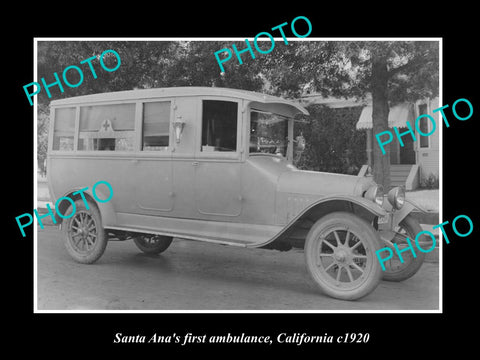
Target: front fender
{"type": "Point", "coordinates": [401, 214]}
{"type": "Point", "coordinates": [335, 202]}
{"type": "Point", "coordinates": [362, 207]}
{"type": "Point", "coordinates": [341, 202]}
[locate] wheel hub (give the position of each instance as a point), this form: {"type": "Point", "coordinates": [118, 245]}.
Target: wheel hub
{"type": "Point", "coordinates": [83, 232]}
{"type": "Point", "coordinates": [342, 255]}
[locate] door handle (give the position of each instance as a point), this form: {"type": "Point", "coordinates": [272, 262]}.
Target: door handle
{"type": "Point", "coordinates": [195, 163]}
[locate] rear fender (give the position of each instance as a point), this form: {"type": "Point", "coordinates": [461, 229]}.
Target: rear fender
{"type": "Point", "coordinates": [106, 209]}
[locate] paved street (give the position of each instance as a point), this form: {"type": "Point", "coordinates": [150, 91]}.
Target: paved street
{"type": "Point", "coordinates": [198, 276]}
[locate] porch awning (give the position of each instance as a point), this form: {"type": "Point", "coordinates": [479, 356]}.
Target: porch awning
{"type": "Point", "coordinates": [397, 116]}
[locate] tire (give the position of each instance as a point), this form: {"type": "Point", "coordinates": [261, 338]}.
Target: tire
{"type": "Point", "coordinates": [340, 256]}
{"type": "Point", "coordinates": [153, 244]}
{"type": "Point", "coordinates": [84, 235]}
{"type": "Point", "coordinates": [395, 270]}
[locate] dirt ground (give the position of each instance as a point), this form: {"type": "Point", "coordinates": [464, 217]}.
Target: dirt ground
{"type": "Point", "coordinates": [197, 276]}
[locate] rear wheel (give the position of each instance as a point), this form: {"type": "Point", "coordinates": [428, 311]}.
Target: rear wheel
{"type": "Point", "coordinates": [152, 244]}
{"type": "Point", "coordinates": [340, 256]}
{"type": "Point", "coordinates": [84, 235]}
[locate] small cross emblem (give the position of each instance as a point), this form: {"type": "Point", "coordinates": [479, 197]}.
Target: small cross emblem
{"type": "Point", "coordinates": [106, 125]}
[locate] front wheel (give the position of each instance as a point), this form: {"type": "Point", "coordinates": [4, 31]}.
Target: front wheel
{"type": "Point", "coordinates": [395, 269]}
{"type": "Point", "coordinates": [340, 256]}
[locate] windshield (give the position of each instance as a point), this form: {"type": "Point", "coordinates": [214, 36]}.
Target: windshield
{"type": "Point", "coordinates": [268, 133]}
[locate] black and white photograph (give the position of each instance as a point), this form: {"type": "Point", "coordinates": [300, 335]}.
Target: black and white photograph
{"type": "Point", "coordinates": [159, 157]}
{"type": "Point", "coordinates": [286, 184]}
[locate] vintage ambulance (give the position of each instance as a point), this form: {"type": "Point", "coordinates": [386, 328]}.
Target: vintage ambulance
{"type": "Point", "coordinates": [215, 165]}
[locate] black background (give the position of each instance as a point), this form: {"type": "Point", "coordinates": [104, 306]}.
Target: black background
{"type": "Point", "coordinates": [89, 334]}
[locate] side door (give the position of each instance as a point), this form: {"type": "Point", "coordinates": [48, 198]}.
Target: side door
{"type": "Point", "coordinates": [218, 159]}
{"type": "Point", "coordinates": [153, 165]}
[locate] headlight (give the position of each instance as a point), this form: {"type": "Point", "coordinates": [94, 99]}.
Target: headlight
{"type": "Point", "coordinates": [396, 197]}
{"type": "Point", "coordinates": [375, 193]}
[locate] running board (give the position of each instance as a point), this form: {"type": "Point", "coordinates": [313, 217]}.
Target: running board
{"type": "Point", "coordinates": [226, 233]}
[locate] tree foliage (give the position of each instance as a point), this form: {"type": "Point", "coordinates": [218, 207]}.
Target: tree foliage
{"type": "Point", "coordinates": [390, 71]}
{"type": "Point", "coordinates": [332, 142]}
{"type": "Point", "coordinates": [330, 68]}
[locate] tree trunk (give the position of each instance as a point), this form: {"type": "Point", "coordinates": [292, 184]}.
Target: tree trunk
{"type": "Point", "coordinates": [379, 82]}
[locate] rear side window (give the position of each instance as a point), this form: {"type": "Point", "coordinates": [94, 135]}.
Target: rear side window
{"type": "Point", "coordinates": [107, 127]}
{"type": "Point", "coordinates": [64, 129]}
{"type": "Point", "coordinates": [156, 126]}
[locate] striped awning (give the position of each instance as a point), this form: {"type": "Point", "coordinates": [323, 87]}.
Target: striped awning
{"type": "Point", "coordinates": [397, 116]}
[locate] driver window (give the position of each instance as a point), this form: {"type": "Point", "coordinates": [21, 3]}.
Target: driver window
{"type": "Point", "coordinates": [268, 133]}
{"type": "Point", "coordinates": [219, 126]}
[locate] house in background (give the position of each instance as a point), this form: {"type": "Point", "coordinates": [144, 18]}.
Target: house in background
{"type": "Point", "coordinates": [412, 163]}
